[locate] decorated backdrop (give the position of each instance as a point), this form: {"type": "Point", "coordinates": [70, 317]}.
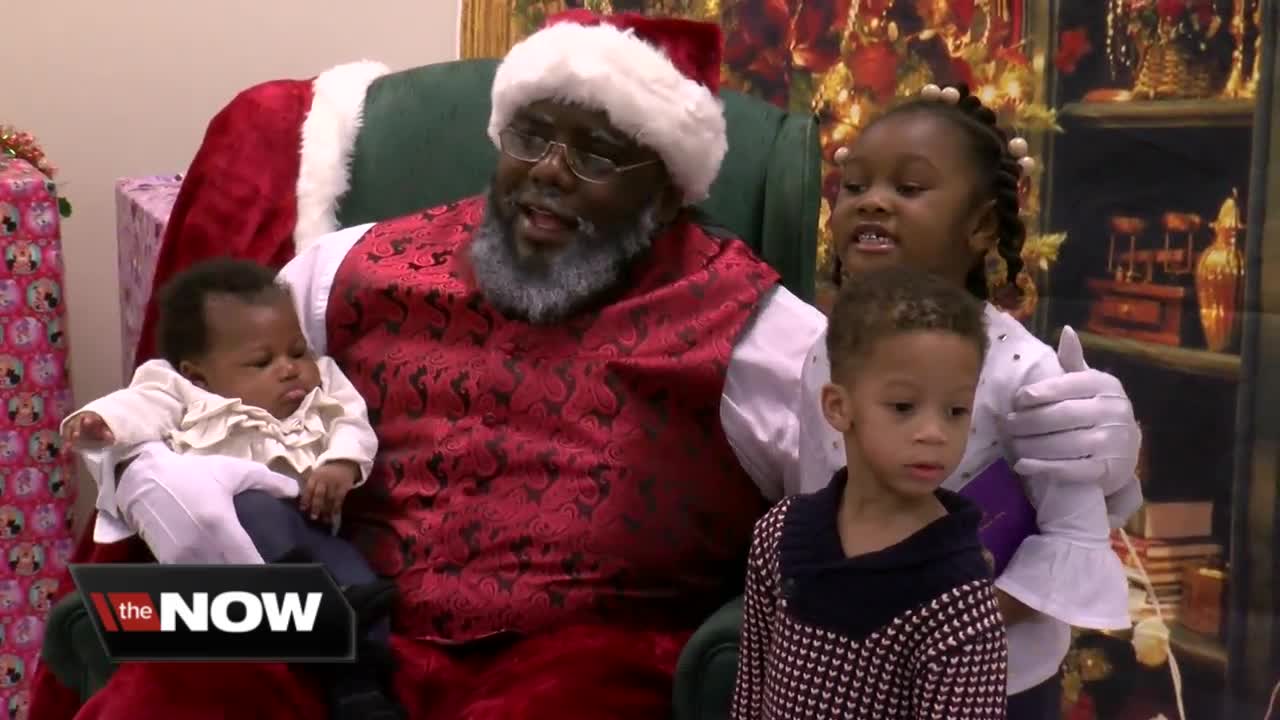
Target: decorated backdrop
{"type": "Point", "coordinates": [1140, 113]}
{"type": "Point", "coordinates": [845, 60]}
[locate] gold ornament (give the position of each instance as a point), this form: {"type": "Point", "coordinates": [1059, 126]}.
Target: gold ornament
{"type": "Point", "coordinates": [1094, 665]}
{"type": "Point", "coordinates": [1151, 642]}
{"type": "Point", "coordinates": [1255, 72]}
{"type": "Point", "coordinates": [1219, 275]}
{"type": "Point", "coordinates": [1237, 85]}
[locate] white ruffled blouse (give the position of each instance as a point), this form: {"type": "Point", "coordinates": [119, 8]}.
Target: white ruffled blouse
{"type": "Point", "coordinates": [1068, 573]}
{"type": "Point", "coordinates": [332, 423]}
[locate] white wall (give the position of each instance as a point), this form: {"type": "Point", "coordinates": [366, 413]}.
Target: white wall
{"type": "Point", "coordinates": [126, 88]}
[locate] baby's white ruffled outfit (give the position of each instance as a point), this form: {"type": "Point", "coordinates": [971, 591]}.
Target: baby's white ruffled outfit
{"type": "Point", "coordinates": [161, 405]}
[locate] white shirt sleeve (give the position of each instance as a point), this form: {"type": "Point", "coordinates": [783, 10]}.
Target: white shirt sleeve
{"type": "Point", "coordinates": [310, 275]}
{"type": "Point", "coordinates": [1069, 570]}
{"type": "Point", "coordinates": [146, 411]}
{"type": "Point", "coordinates": [1068, 573]}
{"type": "Point", "coordinates": [351, 437]}
{"type": "Point", "coordinates": [762, 390]}
{"type": "Point", "coordinates": [149, 409]}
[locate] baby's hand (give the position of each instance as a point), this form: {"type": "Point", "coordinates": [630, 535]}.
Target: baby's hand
{"type": "Point", "coordinates": [325, 487]}
{"type": "Point", "coordinates": [88, 431]}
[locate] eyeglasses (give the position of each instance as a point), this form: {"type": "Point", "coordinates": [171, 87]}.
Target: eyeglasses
{"type": "Point", "coordinates": [587, 166]}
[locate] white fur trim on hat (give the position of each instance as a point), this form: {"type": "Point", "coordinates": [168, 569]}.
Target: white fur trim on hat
{"type": "Point", "coordinates": [328, 139]}
{"type": "Point", "coordinates": [644, 95]}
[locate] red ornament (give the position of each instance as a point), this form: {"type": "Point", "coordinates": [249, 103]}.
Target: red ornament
{"type": "Point", "coordinates": [1073, 45]}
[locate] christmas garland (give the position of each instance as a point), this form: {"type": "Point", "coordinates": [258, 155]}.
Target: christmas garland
{"type": "Point", "coordinates": [22, 145]}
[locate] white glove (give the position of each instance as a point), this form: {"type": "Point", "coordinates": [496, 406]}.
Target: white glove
{"type": "Point", "coordinates": [1078, 426]}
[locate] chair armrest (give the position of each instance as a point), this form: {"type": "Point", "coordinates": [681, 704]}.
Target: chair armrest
{"type": "Point", "coordinates": [707, 667]}
{"type": "Point", "coordinates": [72, 649]}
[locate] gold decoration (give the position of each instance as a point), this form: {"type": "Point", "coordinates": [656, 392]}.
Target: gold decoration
{"type": "Point", "coordinates": [1180, 227]}
{"type": "Point", "coordinates": [1124, 227]}
{"type": "Point", "coordinates": [1237, 85]}
{"type": "Point", "coordinates": [826, 251]}
{"type": "Point", "coordinates": [1041, 251]}
{"type": "Point", "coordinates": [1151, 642]}
{"type": "Point", "coordinates": [1093, 665]}
{"type": "Point", "coordinates": [1116, 50]}
{"type": "Point", "coordinates": [1167, 49]}
{"type": "Point", "coordinates": [1167, 70]}
{"type": "Point", "coordinates": [1218, 278]}
{"type": "Point", "coordinates": [490, 27]}
{"type": "Point", "coordinates": [1255, 72]}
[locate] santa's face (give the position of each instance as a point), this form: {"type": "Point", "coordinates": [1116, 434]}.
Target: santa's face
{"type": "Point", "coordinates": [573, 203]}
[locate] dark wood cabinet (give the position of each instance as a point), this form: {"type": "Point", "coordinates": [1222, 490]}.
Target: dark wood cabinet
{"type": "Point", "coordinates": [1140, 185]}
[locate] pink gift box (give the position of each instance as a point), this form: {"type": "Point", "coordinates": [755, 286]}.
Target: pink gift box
{"type": "Point", "coordinates": [143, 205]}
{"type": "Point", "coordinates": [37, 488]}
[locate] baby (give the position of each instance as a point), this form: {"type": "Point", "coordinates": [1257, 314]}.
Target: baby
{"type": "Point", "coordinates": [261, 418]}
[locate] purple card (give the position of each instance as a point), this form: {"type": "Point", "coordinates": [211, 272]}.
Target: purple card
{"type": "Point", "coordinates": [1008, 517]}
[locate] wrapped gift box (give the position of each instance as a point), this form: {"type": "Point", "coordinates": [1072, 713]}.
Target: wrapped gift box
{"type": "Point", "coordinates": [142, 211]}
{"type": "Point", "coordinates": [37, 489]}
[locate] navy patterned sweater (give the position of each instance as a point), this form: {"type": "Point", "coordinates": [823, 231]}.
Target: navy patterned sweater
{"type": "Point", "coordinates": [912, 631]}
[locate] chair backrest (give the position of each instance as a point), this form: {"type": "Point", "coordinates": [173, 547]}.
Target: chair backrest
{"type": "Point", "coordinates": [423, 143]}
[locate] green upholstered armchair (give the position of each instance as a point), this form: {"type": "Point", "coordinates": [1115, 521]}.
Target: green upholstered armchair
{"type": "Point", "coordinates": [423, 143]}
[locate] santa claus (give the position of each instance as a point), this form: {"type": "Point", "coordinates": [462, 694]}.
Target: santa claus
{"type": "Point", "coordinates": [584, 396]}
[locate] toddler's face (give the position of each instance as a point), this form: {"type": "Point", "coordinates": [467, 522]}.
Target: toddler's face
{"type": "Point", "coordinates": [905, 411]}
{"type": "Point", "coordinates": [257, 353]}
{"type": "Point", "coordinates": [907, 198]}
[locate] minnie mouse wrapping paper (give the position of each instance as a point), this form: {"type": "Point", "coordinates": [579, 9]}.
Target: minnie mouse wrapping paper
{"type": "Point", "coordinates": [37, 486]}
{"type": "Point", "coordinates": [143, 205]}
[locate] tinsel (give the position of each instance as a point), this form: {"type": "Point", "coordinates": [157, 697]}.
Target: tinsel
{"type": "Point", "coordinates": [22, 145]}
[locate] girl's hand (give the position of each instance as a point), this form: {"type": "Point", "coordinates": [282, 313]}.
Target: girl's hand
{"type": "Point", "coordinates": [88, 431]}
{"type": "Point", "coordinates": [325, 487]}
{"type": "Point", "coordinates": [1013, 609]}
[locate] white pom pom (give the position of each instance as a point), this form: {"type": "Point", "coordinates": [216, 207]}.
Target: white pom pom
{"type": "Point", "coordinates": [930, 92]}
{"type": "Point", "coordinates": [841, 154]}
{"type": "Point", "coordinates": [1018, 147]}
{"type": "Point", "coordinates": [1027, 164]}
{"type": "Point", "coordinates": [950, 95]}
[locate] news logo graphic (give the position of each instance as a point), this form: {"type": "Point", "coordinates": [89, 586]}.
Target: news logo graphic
{"type": "Point", "coordinates": [219, 613]}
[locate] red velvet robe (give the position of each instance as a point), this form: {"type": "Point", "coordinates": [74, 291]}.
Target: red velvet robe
{"type": "Point", "coordinates": [612, 509]}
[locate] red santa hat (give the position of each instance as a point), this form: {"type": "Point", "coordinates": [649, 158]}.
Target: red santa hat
{"type": "Point", "coordinates": [656, 78]}
{"type": "Point", "coordinates": [267, 178]}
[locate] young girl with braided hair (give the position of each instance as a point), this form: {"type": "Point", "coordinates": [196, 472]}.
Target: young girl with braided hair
{"type": "Point", "coordinates": [932, 184]}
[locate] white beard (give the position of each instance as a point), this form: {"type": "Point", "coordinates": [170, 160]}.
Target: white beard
{"type": "Point", "coordinates": [543, 290]}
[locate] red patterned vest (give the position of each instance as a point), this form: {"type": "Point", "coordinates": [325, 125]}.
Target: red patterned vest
{"type": "Point", "coordinates": [533, 476]}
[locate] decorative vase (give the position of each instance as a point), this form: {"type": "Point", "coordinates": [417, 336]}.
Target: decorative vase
{"type": "Point", "coordinates": [1219, 275]}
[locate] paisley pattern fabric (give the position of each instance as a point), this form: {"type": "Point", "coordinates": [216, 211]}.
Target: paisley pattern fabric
{"type": "Point", "coordinates": [531, 476]}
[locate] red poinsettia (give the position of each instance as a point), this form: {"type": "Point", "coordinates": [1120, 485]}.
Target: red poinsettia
{"type": "Point", "coordinates": [1011, 56]}
{"type": "Point", "coordinates": [874, 68]}
{"type": "Point", "coordinates": [1073, 45]}
{"type": "Point", "coordinates": [771, 38]}
{"type": "Point", "coordinates": [815, 34]}
{"type": "Point", "coordinates": [1083, 709]}
{"type": "Point", "coordinates": [957, 71]}
{"type": "Point", "coordinates": [1171, 10]}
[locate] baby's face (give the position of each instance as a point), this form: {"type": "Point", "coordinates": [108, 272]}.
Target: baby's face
{"type": "Point", "coordinates": [257, 353]}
